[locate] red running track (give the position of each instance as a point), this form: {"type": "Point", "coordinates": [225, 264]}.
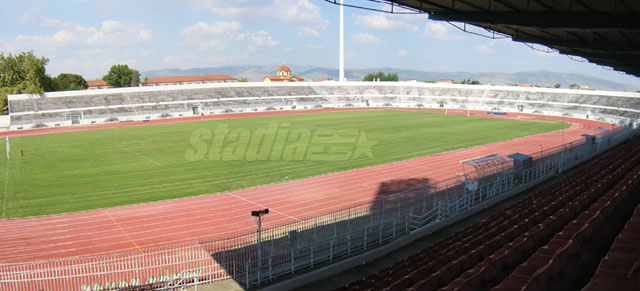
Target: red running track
{"type": "Point", "coordinates": [221, 215]}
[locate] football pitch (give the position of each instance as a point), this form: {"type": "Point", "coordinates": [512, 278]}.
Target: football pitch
{"type": "Point", "coordinates": [66, 172]}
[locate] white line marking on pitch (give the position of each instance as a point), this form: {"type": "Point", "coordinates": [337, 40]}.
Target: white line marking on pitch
{"type": "Point", "coordinates": [137, 154]}
{"type": "Point", "coordinates": [45, 152]}
{"type": "Point", "coordinates": [4, 194]}
{"type": "Point", "coordinates": [262, 206]}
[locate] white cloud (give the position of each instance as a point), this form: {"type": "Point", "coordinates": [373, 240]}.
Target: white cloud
{"type": "Point", "coordinates": [202, 32]}
{"type": "Point", "coordinates": [384, 22]}
{"type": "Point", "coordinates": [365, 38]}
{"type": "Point", "coordinates": [202, 29]}
{"type": "Point", "coordinates": [308, 32]}
{"type": "Point", "coordinates": [302, 14]}
{"type": "Point", "coordinates": [29, 17]}
{"type": "Point", "coordinates": [147, 53]}
{"type": "Point", "coordinates": [438, 31]}
{"type": "Point", "coordinates": [178, 60]}
{"type": "Point", "coordinates": [301, 11]}
{"type": "Point", "coordinates": [83, 49]}
{"type": "Point", "coordinates": [223, 7]}
{"type": "Point", "coordinates": [485, 48]}
{"type": "Point", "coordinates": [402, 52]}
{"type": "Point", "coordinates": [117, 33]}
{"type": "Point", "coordinates": [211, 45]}
{"type": "Point", "coordinates": [313, 46]}
{"type": "Point", "coordinates": [284, 11]}
{"type": "Point", "coordinates": [258, 38]}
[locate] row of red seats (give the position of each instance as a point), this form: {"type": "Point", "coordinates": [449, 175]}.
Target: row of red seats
{"type": "Point", "coordinates": [488, 270]}
{"type": "Point", "coordinates": [620, 269]}
{"type": "Point", "coordinates": [549, 261]}
{"type": "Point", "coordinates": [440, 263]}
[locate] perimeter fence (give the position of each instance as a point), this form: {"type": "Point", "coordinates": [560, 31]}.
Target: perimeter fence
{"type": "Point", "coordinates": [256, 258]}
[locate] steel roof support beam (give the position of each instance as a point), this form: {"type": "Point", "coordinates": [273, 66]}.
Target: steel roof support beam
{"type": "Point", "coordinates": [599, 45]}
{"type": "Point", "coordinates": [576, 21]}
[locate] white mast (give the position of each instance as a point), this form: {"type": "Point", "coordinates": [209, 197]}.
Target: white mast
{"type": "Point", "coordinates": [341, 78]}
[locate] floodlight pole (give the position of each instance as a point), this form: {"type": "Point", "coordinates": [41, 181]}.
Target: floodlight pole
{"type": "Point", "coordinates": [259, 242]}
{"type": "Point", "coordinates": [341, 77]}
{"type": "Point", "coordinates": [562, 126]}
{"type": "Point", "coordinates": [259, 214]}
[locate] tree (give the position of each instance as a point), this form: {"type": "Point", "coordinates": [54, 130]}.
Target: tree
{"type": "Point", "coordinates": [574, 86]}
{"type": "Point", "coordinates": [121, 76]}
{"type": "Point", "coordinates": [135, 78]}
{"type": "Point", "coordinates": [20, 74]}
{"type": "Point", "coordinates": [557, 86]}
{"type": "Point", "coordinates": [380, 76]}
{"type": "Point", "coordinates": [67, 82]}
{"type": "Point", "coordinates": [242, 79]}
{"type": "Point", "coordinates": [470, 82]}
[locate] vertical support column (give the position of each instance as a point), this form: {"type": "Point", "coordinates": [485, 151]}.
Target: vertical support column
{"type": "Point", "coordinates": [406, 224]}
{"type": "Point", "coordinates": [7, 143]}
{"type": "Point", "coordinates": [292, 263]}
{"type": "Point", "coordinates": [331, 250]}
{"type": "Point", "coordinates": [247, 274]}
{"type": "Point", "coordinates": [270, 270]}
{"type": "Point", "coordinates": [394, 228]}
{"type": "Point", "coordinates": [341, 77]}
{"type": "Point", "coordinates": [365, 237]}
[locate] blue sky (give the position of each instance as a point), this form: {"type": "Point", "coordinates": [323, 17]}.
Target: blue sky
{"type": "Point", "coordinates": [87, 37]}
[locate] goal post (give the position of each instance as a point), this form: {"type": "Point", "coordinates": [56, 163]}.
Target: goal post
{"type": "Point", "coordinates": [7, 146]}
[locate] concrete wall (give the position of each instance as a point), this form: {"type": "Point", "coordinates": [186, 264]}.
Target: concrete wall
{"type": "Point", "coordinates": [5, 121]}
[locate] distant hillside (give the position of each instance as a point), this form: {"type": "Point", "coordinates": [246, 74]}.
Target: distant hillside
{"type": "Point", "coordinates": [538, 78]}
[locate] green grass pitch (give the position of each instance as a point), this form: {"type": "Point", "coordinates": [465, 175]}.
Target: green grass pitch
{"type": "Point", "coordinates": [76, 171]}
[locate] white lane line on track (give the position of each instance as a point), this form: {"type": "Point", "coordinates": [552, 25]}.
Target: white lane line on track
{"type": "Point", "coordinates": [271, 194]}
{"type": "Point", "coordinates": [262, 206]}
{"type": "Point", "coordinates": [278, 196]}
{"type": "Point", "coordinates": [238, 197]}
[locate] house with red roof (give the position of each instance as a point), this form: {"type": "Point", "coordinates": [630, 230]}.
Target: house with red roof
{"type": "Point", "coordinates": [97, 84]}
{"type": "Point", "coordinates": [188, 80]}
{"type": "Point", "coordinates": [283, 75]}
{"type": "Point", "coordinates": [447, 81]}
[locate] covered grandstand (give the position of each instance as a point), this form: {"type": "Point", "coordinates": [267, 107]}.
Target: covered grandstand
{"type": "Point", "coordinates": [130, 104]}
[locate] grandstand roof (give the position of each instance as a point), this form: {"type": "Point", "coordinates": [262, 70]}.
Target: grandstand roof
{"type": "Point", "coordinates": [602, 32]}
{"type": "Point", "coordinates": [489, 164]}
{"type": "Point", "coordinates": [176, 79]}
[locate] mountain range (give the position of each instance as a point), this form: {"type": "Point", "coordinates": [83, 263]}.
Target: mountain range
{"type": "Point", "coordinates": [310, 73]}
